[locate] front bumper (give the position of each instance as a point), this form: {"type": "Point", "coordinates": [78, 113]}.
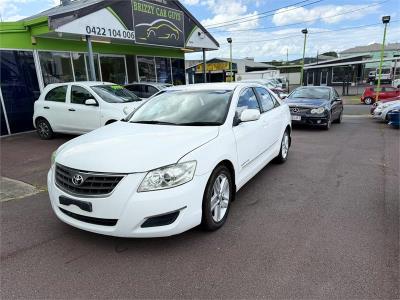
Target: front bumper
{"type": "Point", "coordinates": [309, 120]}
{"type": "Point", "coordinates": [131, 209]}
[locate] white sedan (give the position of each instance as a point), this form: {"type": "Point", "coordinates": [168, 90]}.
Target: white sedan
{"type": "Point", "coordinates": [174, 163]}
{"type": "Point", "coordinates": [80, 107]}
{"type": "Point", "coordinates": [383, 108]}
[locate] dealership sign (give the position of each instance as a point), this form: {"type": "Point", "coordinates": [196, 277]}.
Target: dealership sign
{"type": "Point", "coordinates": [158, 25]}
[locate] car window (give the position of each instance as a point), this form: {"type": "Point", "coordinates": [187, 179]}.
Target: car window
{"type": "Point", "coordinates": [149, 91]}
{"type": "Point", "coordinates": [57, 94]}
{"type": "Point", "coordinates": [267, 102]}
{"type": "Point", "coordinates": [335, 93]}
{"type": "Point", "coordinates": [388, 89]}
{"type": "Point", "coordinates": [247, 100]}
{"type": "Point", "coordinates": [79, 95]}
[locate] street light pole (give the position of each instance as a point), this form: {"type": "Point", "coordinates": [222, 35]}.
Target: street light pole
{"type": "Point", "coordinates": [230, 63]}
{"type": "Point", "coordinates": [304, 31]}
{"type": "Point", "coordinates": [385, 20]}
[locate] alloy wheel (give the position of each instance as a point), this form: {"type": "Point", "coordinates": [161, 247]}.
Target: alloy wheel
{"type": "Point", "coordinates": [220, 198]}
{"type": "Point", "coordinates": [43, 129]}
{"type": "Point", "coordinates": [285, 145]}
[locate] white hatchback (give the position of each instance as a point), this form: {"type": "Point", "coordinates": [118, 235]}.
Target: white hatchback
{"type": "Point", "coordinates": [80, 107]}
{"type": "Point", "coordinates": [174, 163]}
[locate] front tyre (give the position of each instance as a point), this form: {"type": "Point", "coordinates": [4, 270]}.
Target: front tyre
{"type": "Point", "coordinates": [368, 101]}
{"type": "Point", "coordinates": [284, 151]}
{"type": "Point", "coordinates": [328, 124]}
{"type": "Point", "coordinates": [217, 199]}
{"type": "Point", "coordinates": [44, 129]}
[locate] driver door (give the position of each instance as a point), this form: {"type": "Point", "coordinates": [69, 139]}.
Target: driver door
{"type": "Point", "coordinates": [83, 118]}
{"type": "Point", "coordinates": [247, 134]}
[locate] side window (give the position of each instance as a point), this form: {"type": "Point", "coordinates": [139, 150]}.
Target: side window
{"type": "Point", "coordinates": [389, 89]}
{"type": "Point", "coordinates": [152, 90]}
{"type": "Point", "coordinates": [335, 94]}
{"type": "Point", "coordinates": [247, 100]}
{"type": "Point", "coordinates": [57, 94]}
{"type": "Point", "coordinates": [267, 101]}
{"type": "Point", "coordinates": [79, 95]}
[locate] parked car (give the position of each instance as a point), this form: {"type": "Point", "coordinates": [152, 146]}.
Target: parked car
{"type": "Point", "coordinates": [369, 95]}
{"type": "Point", "coordinates": [383, 109]}
{"type": "Point", "coordinates": [281, 93]}
{"type": "Point", "coordinates": [394, 117]}
{"type": "Point", "coordinates": [174, 163]}
{"type": "Point", "coordinates": [373, 106]}
{"type": "Point", "coordinates": [145, 90]}
{"type": "Point", "coordinates": [371, 76]}
{"type": "Point", "coordinates": [396, 83]}
{"type": "Point", "coordinates": [80, 107]}
{"type": "Point", "coordinates": [315, 105]}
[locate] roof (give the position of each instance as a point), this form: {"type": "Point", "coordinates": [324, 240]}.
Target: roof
{"type": "Point", "coordinates": [60, 9]}
{"type": "Point", "coordinates": [213, 86]}
{"type": "Point", "coordinates": [156, 84]}
{"type": "Point", "coordinates": [376, 47]}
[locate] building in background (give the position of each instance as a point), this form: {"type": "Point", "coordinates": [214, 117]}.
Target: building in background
{"type": "Point", "coordinates": [218, 69]}
{"type": "Point", "coordinates": [131, 41]}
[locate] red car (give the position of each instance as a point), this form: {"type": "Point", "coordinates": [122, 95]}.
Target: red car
{"type": "Point", "coordinates": [373, 106]}
{"type": "Point", "coordinates": [368, 97]}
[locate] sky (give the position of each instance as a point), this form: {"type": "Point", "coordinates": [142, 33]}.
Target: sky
{"type": "Point", "coordinates": [270, 29]}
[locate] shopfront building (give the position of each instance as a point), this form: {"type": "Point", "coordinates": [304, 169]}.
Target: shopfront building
{"type": "Point", "coordinates": [114, 41]}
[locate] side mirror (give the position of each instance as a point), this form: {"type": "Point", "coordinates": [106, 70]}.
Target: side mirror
{"type": "Point", "coordinates": [249, 115]}
{"type": "Point", "coordinates": [91, 102]}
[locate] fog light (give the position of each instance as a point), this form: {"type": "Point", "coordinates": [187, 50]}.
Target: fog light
{"type": "Point", "coordinates": [319, 121]}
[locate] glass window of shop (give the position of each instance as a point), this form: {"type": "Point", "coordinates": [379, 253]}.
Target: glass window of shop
{"type": "Point", "coordinates": [78, 61]}
{"type": "Point", "coordinates": [178, 71]}
{"type": "Point", "coordinates": [113, 69]}
{"type": "Point", "coordinates": [96, 65]}
{"type": "Point", "coordinates": [163, 68]}
{"type": "Point", "coordinates": [147, 70]}
{"type": "Point", "coordinates": [131, 68]}
{"type": "Point", "coordinates": [56, 67]}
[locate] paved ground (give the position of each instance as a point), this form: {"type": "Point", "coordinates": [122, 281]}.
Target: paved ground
{"type": "Point", "coordinates": [323, 225]}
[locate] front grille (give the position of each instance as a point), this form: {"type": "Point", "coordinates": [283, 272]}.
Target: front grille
{"type": "Point", "coordinates": [90, 184]}
{"type": "Point", "coordinates": [91, 220]}
{"type": "Point", "coordinates": [299, 110]}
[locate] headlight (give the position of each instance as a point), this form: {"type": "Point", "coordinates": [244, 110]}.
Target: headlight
{"type": "Point", "coordinates": [319, 110]}
{"type": "Point", "coordinates": [53, 157]}
{"type": "Point", "coordinates": [168, 177]}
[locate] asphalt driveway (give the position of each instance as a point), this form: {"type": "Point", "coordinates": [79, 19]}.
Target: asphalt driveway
{"type": "Point", "coordinates": [323, 225]}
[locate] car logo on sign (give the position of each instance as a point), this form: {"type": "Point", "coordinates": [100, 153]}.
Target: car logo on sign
{"type": "Point", "coordinates": [77, 179]}
{"type": "Point", "coordinates": [295, 110]}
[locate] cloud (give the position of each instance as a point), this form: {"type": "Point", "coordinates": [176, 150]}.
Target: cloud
{"type": "Point", "coordinates": [190, 2]}
{"type": "Point", "coordinates": [11, 10]}
{"type": "Point", "coordinates": [222, 12]}
{"type": "Point", "coordinates": [325, 12]}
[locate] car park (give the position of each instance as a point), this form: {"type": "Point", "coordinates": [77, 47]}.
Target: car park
{"type": "Point", "coordinates": [174, 163]}
{"type": "Point", "coordinates": [369, 94]}
{"type": "Point", "coordinates": [315, 105]}
{"type": "Point", "coordinates": [80, 107]}
{"type": "Point", "coordinates": [145, 90]}
{"type": "Point", "coordinates": [382, 110]}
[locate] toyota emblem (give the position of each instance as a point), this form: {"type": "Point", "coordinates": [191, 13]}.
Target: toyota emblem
{"type": "Point", "coordinates": [295, 110]}
{"type": "Point", "coordinates": [77, 179]}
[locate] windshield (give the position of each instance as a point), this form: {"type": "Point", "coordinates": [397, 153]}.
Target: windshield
{"type": "Point", "coordinates": [191, 108]}
{"type": "Point", "coordinates": [311, 93]}
{"type": "Point", "coordinates": [115, 94]}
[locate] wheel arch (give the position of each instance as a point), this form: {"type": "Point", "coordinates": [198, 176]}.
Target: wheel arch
{"type": "Point", "coordinates": [227, 163]}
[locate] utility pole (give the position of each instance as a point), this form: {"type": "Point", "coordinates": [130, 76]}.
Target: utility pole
{"type": "Point", "coordinates": [230, 46]}
{"type": "Point", "coordinates": [304, 31]}
{"type": "Point", "coordinates": [385, 20]}
{"type": "Point", "coordinates": [287, 55]}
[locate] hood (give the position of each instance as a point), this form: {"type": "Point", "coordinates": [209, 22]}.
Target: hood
{"type": "Point", "coordinates": [128, 148]}
{"type": "Point", "coordinates": [306, 102]}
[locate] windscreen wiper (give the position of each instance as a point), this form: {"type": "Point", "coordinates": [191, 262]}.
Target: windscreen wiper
{"type": "Point", "coordinates": [153, 122]}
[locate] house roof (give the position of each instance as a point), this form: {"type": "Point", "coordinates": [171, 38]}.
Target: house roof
{"type": "Point", "coordinates": [376, 47]}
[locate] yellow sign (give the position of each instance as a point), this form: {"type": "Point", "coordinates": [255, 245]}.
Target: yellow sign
{"type": "Point", "coordinates": [219, 66]}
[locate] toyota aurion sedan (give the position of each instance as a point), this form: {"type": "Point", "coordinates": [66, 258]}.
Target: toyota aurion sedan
{"type": "Point", "coordinates": [172, 164]}
{"type": "Point", "coordinates": [315, 105]}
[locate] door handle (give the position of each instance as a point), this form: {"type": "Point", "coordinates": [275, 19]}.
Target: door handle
{"type": "Point", "coordinates": [71, 109]}
{"type": "Point", "coordinates": [46, 107]}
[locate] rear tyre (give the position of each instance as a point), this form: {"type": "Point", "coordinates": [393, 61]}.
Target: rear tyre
{"type": "Point", "coordinates": [44, 129]}
{"type": "Point", "coordinates": [368, 101]}
{"type": "Point", "coordinates": [217, 199]}
{"type": "Point", "coordinates": [284, 151]}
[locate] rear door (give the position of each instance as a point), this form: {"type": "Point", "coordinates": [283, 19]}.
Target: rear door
{"type": "Point", "coordinates": [248, 134]}
{"type": "Point", "coordinates": [55, 108]}
{"type": "Point", "coordinates": [82, 118]}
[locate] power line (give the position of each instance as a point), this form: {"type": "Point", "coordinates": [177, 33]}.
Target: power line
{"type": "Point", "coordinates": [307, 21]}
{"type": "Point", "coordinates": [256, 17]}
{"type": "Point", "coordinates": [312, 33]}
